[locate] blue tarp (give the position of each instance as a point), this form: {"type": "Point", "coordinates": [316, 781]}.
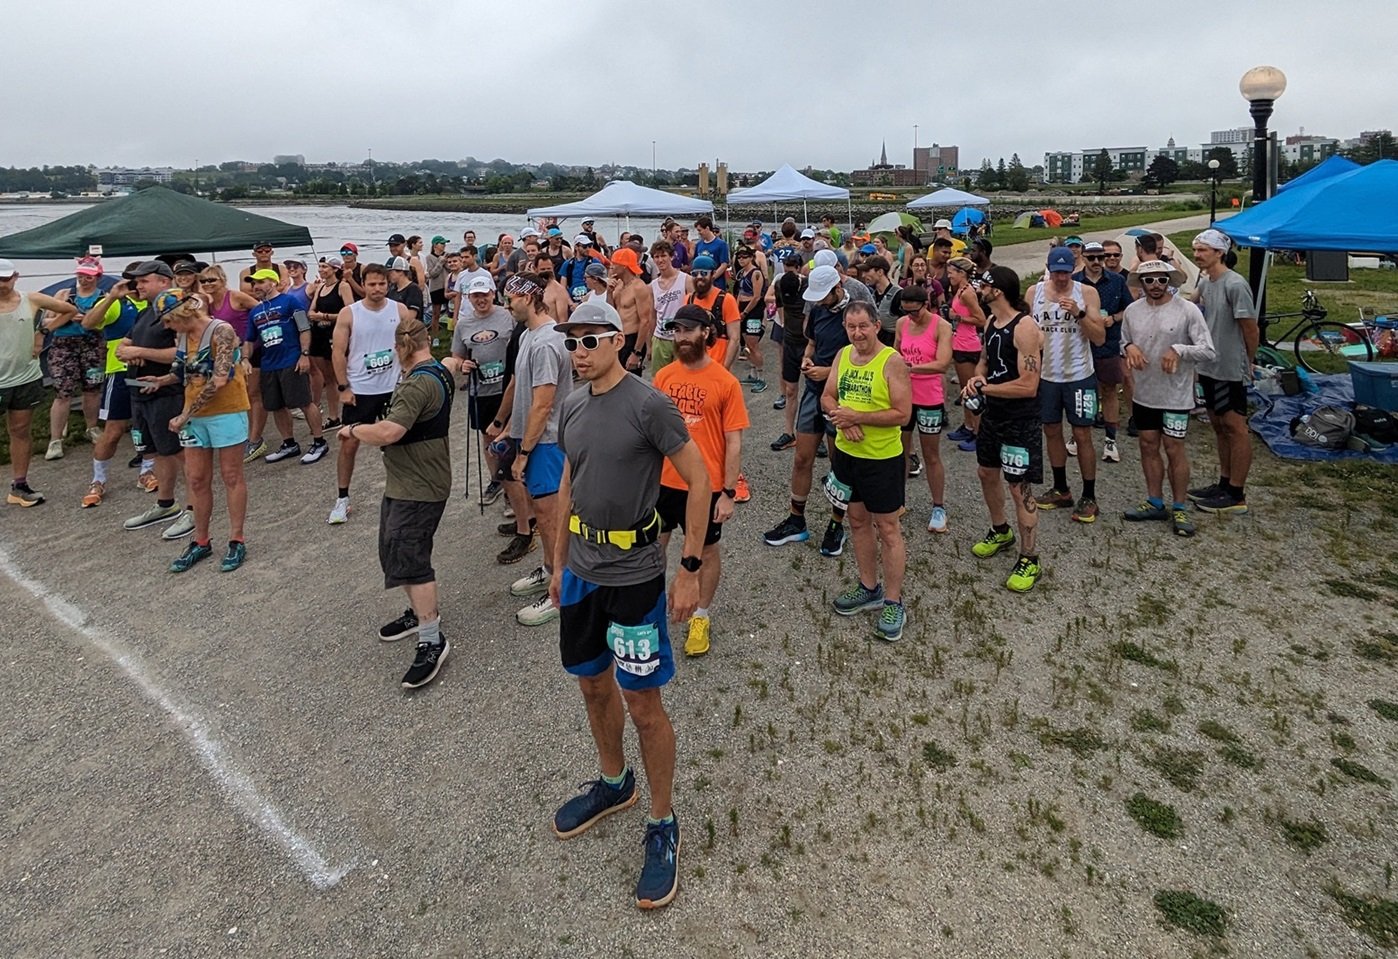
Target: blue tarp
{"type": "Point", "coordinates": [1272, 421]}
{"type": "Point", "coordinates": [964, 218]}
{"type": "Point", "coordinates": [1351, 212]}
{"type": "Point", "coordinates": [1332, 166]}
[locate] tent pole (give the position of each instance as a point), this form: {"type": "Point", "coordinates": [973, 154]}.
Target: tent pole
{"type": "Point", "coordinates": [849, 209]}
{"type": "Point", "coordinates": [805, 214]}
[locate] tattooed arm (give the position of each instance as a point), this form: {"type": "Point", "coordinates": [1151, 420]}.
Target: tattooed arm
{"type": "Point", "coordinates": [223, 346]}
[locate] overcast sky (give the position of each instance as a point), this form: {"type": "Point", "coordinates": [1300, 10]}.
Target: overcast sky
{"type": "Point", "coordinates": [755, 84]}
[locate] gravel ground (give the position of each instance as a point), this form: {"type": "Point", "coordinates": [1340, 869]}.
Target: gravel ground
{"type": "Point", "coordinates": [961, 793]}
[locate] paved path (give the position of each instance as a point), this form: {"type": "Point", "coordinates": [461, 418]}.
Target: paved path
{"type": "Point", "coordinates": [1027, 258]}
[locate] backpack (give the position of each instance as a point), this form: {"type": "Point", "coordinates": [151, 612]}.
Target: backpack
{"type": "Point", "coordinates": [1376, 424]}
{"type": "Point", "coordinates": [715, 314]}
{"type": "Point", "coordinates": [1326, 428]}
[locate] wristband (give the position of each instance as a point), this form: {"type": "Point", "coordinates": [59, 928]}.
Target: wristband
{"type": "Point", "coordinates": [524, 452]}
{"type": "Point", "coordinates": [496, 423]}
{"type": "Point", "coordinates": [730, 493]}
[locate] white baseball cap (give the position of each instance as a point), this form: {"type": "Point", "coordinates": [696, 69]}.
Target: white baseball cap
{"type": "Point", "coordinates": [480, 284]}
{"type": "Point", "coordinates": [822, 280]}
{"type": "Point", "coordinates": [7, 270]}
{"type": "Point", "coordinates": [942, 224]}
{"type": "Point", "coordinates": [808, 234]}
{"type": "Point", "coordinates": [825, 257]}
{"type": "Point", "coordinates": [582, 239]}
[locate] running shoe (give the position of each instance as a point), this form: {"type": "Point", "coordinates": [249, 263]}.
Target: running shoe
{"type": "Point", "coordinates": [181, 527]}
{"type": "Point", "coordinates": [134, 461]}
{"type": "Point", "coordinates": [519, 546]}
{"type": "Point", "coordinates": [1212, 491]}
{"type": "Point", "coordinates": [779, 403]}
{"type": "Point", "coordinates": [858, 598]}
{"type": "Point", "coordinates": [492, 493]}
{"type": "Point", "coordinates": [742, 493]}
{"type": "Point", "coordinates": [1145, 513]}
{"type": "Point", "coordinates": [1223, 503]}
{"type": "Point", "coordinates": [316, 453]}
{"type": "Point", "coordinates": [914, 465]}
{"type": "Point", "coordinates": [536, 581]}
{"type": "Point", "coordinates": [598, 801]}
{"type": "Point", "coordinates": [288, 449]}
{"type": "Point", "coordinates": [1055, 499]}
{"type": "Point", "coordinates": [784, 442]}
{"type": "Point", "coordinates": [758, 386]}
{"type": "Point", "coordinates": [156, 514]}
{"type": "Point", "coordinates": [55, 450]}
{"type": "Point", "coordinates": [1131, 429]}
{"type": "Point", "coordinates": [234, 558]}
{"type": "Point", "coordinates": [1024, 575]}
{"type": "Point", "coordinates": [821, 451]}
{"type": "Point", "coordinates": [1072, 445]}
{"type": "Point", "coordinates": [404, 625]}
{"type": "Point", "coordinates": [332, 424]}
{"type": "Point", "coordinates": [256, 450]}
{"type": "Point", "coordinates": [937, 522]}
{"type": "Point", "coordinates": [1181, 522]}
{"type": "Point", "coordinates": [427, 663]}
{"type": "Point", "coordinates": [1110, 454]}
{"type": "Point", "coordinates": [792, 529]}
{"type": "Point", "coordinates": [509, 512]}
{"type": "Point", "coordinates": [193, 553]}
{"type": "Point", "coordinates": [22, 495]}
{"type": "Point", "coordinates": [660, 874]}
{"type": "Point", "coordinates": [339, 513]}
{"type": "Point", "coordinates": [147, 482]}
{"type": "Point", "coordinates": [960, 433]}
{"type": "Point", "coordinates": [833, 543]}
{"type": "Point", "coordinates": [1085, 511]}
{"type": "Point", "coordinates": [537, 613]}
{"type": "Point", "coordinates": [94, 433]}
{"type": "Point", "coordinates": [95, 492]}
{"type": "Point", "coordinates": [510, 529]}
{"type": "Point", "coordinates": [299, 413]}
{"type": "Point", "coordinates": [967, 446]}
{"type": "Point", "coordinates": [993, 543]}
{"type": "Point", "coordinates": [697, 642]}
{"type": "Point", "coordinates": [891, 621]}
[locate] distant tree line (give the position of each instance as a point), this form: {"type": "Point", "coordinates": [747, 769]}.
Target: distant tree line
{"type": "Point", "coordinates": [47, 179]}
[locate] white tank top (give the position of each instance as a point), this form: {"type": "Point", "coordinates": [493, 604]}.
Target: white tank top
{"type": "Point", "coordinates": [1067, 350]}
{"type": "Point", "coordinates": [668, 300]}
{"type": "Point", "coordinates": [373, 365]}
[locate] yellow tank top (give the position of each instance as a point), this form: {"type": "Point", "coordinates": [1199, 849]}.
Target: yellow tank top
{"type": "Point", "coordinates": [199, 362]}
{"type": "Point", "coordinates": [865, 389]}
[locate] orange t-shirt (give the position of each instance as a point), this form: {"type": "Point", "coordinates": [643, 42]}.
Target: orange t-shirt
{"type": "Point", "coordinates": [719, 351]}
{"type": "Point", "coordinates": [711, 402]}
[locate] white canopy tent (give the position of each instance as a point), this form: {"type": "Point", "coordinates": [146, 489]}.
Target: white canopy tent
{"type": "Point", "coordinates": [948, 197]}
{"type": "Point", "coordinates": [786, 185]}
{"type": "Point", "coordinates": [623, 198]}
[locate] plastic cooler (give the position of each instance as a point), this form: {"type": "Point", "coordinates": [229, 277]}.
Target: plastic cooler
{"type": "Point", "coordinates": [1375, 384]}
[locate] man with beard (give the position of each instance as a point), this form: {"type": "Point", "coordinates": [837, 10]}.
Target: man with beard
{"type": "Point", "coordinates": [722, 307]}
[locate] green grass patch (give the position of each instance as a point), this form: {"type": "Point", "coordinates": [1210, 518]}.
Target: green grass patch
{"type": "Point", "coordinates": [938, 758]}
{"type": "Point", "coordinates": [1305, 836]}
{"type": "Point", "coordinates": [1135, 653]}
{"type": "Point", "coordinates": [1236, 755]}
{"type": "Point", "coordinates": [1385, 709]}
{"type": "Point", "coordinates": [1380, 648]}
{"type": "Point", "coordinates": [1003, 234]}
{"type": "Point", "coordinates": [1358, 771]}
{"type": "Point", "coordinates": [1186, 911]}
{"type": "Point", "coordinates": [1081, 740]}
{"type": "Point", "coordinates": [1145, 721]}
{"type": "Point", "coordinates": [1348, 589]}
{"type": "Point", "coordinates": [1181, 768]}
{"type": "Point", "coordinates": [1375, 917]}
{"type": "Point", "coordinates": [1156, 818]}
{"type": "Point", "coordinates": [1218, 732]}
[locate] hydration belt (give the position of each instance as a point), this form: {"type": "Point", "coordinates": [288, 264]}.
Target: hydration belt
{"type": "Point", "coordinates": [641, 535]}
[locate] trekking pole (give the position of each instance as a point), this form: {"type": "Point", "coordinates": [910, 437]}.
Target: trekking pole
{"type": "Point", "coordinates": [471, 410]}
{"type": "Point", "coordinates": [473, 396]}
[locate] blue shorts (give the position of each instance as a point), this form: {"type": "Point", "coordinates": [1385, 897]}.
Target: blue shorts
{"type": "Point", "coordinates": [1078, 400]}
{"type": "Point", "coordinates": [215, 432]}
{"type": "Point", "coordinates": [543, 473]}
{"type": "Point", "coordinates": [623, 626]}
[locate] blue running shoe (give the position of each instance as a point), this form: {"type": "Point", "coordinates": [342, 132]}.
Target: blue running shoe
{"type": "Point", "coordinates": [858, 598]}
{"type": "Point", "coordinates": [660, 876]}
{"type": "Point", "coordinates": [581, 813]}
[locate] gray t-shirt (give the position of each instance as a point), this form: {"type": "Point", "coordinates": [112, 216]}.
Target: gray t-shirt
{"type": "Point", "coordinates": [615, 444]}
{"type": "Point", "coordinates": [542, 361]}
{"type": "Point", "coordinates": [488, 338]}
{"type": "Point", "coordinates": [1175, 323]}
{"type": "Point", "coordinates": [1224, 302]}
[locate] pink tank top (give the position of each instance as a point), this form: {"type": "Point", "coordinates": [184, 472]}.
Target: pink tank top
{"type": "Point", "coordinates": [966, 337]}
{"type": "Point", "coordinates": [238, 319]}
{"type": "Point", "coordinates": [918, 348]}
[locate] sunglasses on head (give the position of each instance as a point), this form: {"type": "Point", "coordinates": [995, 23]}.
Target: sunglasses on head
{"type": "Point", "coordinates": [589, 342]}
{"type": "Point", "coordinates": [1162, 280]}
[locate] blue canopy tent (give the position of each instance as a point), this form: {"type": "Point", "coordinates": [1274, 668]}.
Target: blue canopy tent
{"type": "Point", "coordinates": [1332, 166]}
{"type": "Point", "coordinates": [1354, 211]}
{"type": "Point", "coordinates": [966, 216]}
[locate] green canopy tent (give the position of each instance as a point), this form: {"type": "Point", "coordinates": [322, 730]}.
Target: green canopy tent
{"type": "Point", "coordinates": [148, 222]}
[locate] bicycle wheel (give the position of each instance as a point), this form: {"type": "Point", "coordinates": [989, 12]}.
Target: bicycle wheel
{"type": "Point", "coordinates": [1328, 347]}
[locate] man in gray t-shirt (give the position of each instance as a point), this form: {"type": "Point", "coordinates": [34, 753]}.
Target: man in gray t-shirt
{"type": "Point", "coordinates": [482, 339]}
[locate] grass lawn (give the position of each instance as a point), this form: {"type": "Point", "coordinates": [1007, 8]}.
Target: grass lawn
{"type": "Point", "coordinates": [1004, 234]}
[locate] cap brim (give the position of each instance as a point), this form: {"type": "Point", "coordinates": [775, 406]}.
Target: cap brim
{"type": "Point", "coordinates": [812, 295]}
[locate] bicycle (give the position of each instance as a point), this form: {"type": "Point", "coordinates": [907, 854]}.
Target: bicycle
{"type": "Point", "coordinates": [1320, 345]}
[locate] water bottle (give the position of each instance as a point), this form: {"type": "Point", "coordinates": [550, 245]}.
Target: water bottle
{"type": "Point", "coordinates": [974, 402]}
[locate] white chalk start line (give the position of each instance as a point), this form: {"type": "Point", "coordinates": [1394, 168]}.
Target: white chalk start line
{"type": "Point", "coordinates": [235, 783]}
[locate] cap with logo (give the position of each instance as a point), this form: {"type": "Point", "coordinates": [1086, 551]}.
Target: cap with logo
{"type": "Point", "coordinates": [480, 284]}
{"type": "Point", "coordinates": [262, 245]}
{"type": "Point", "coordinates": [592, 313]}
{"type": "Point", "coordinates": [348, 248]}
{"type": "Point", "coordinates": [703, 262]}
{"type": "Point", "coordinates": [438, 239]}
{"type": "Point", "coordinates": [1092, 246]}
{"type": "Point", "coordinates": [89, 266]}
{"type": "Point", "coordinates": [1060, 260]}
{"type": "Point", "coordinates": [1155, 268]}
{"type": "Point", "coordinates": [396, 239]}
{"type": "Point", "coordinates": [186, 267]}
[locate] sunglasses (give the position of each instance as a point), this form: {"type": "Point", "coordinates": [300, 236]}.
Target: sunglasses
{"type": "Point", "coordinates": [1112, 256]}
{"type": "Point", "coordinates": [589, 342]}
{"type": "Point", "coordinates": [1094, 257]}
{"type": "Point", "coordinates": [1162, 280]}
{"type": "Point", "coordinates": [209, 280]}
{"type": "Point", "coordinates": [700, 274]}
{"type": "Point", "coordinates": [348, 253]}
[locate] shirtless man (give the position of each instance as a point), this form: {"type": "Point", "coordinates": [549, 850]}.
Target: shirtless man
{"type": "Point", "coordinates": [633, 300]}
{"type": "Point", "coordinates": [556, 299]}
{"type": "Point", "coordinates": [262, 260]}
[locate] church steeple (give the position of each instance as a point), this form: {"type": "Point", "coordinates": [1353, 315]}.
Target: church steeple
{"type": "Point", "coordinates": [883, 154]}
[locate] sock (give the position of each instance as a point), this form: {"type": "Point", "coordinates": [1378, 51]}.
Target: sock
{"type": "Point", "coordinates": [702, 612]}
{"type": "Point", "coordinates": [798, 507]}
{"type": "Point", "coordinates": [1234, 491]}
{"type": "Point", "coordinates": [1111, 431]}
{"type": "Point", "coordinates": [937, 505]}
{"type": "Point", "coordinates": [1176, 506]}
{"type": "Point", "coordinates": [189, 506]}
{"type": "Point", "coordinates": [99, 470]}
{"type": "Point", "coordinates": [1089, 489]}
{"type": "Point", "coordinates": [1156, 501]}
{"type": "Point", "coordinates": [1060, 477]}
{"type": "Point", "coordinates": [667, 821]}
{"type": "Point", "coordinates": [893, 602]}
{"type": "Point", "coordinates": [1222, 481]}
{"type": "Point", "coordinates": [430, 632]}
{"type": "Point", "coordinates": [344, 492]}
{"type": "Point", "coordinates": [872, 589]}
{"type": "Point", "coordinates": [165, 503]}
{"type": "Point", "coordinates": [20, 482]}
{"type": "Point", "coordinates": [206, 544]}
{"type": "Point", "coordinates": [617, 780]}
{"type": "Point", "coordinates": [1001, 528]}
{"type": "Point", "coordinates": [234, 542]}
{"type": "Point", "coordinates": [147, 466]}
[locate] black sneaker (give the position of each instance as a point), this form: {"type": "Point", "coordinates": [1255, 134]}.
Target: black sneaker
{"type": "Point", "coordinates": [914, 465]}
{"type": "Point", "coordinates": [792, 529]}
{"type": "Point", "coordinates": [134, 461]}
{"type": "Point", "coordinates": [821, 451]}
{"type": "Point", "coordinates": [518, 548]}
{"type": "Point", "coordinates": [1212, 491]}
{"type": "Point", "coordinates": [492, 493]}
{"type": "Point", "coordinates": [404, 625]}
{"type": "Point", "coordinates": [287, 450]}
{"type": "Point", "coordinates": [426, 664]}
{"type": "Point", "coordinates": [784, 442]}
{"type": "Point", "coordinates": [833, 544]}
{"type": "Point", "coordinates": [512, 529]}
{"type": "Point", "coordinates": [334, 423]}
{"type": "Point", "coordinates": [1131, 429]}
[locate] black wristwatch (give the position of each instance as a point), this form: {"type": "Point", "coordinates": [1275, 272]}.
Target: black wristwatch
{"type": "Point", "coordinates": [690, 564]}
{"type": "Point", "coordinates": [524, 452]}
{"type": "Point", "coordinates": [730, 493]}
{"type": "Point", "coordinates": [342, 387]}
{"type": "Point", "coordinates": [305, 352]}
{"type": "Point", "coordinates": [1082, 313]}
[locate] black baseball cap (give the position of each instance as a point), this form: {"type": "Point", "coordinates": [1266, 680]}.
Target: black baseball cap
{"type": "Point", "coordinates": [397, 238]}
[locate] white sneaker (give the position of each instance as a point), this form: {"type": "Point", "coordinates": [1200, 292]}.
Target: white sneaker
{"type": "Point", "coordinates": [341, 511]}
{"type": "Point", "coordinates": [537, 613]}
{"type": "Point", "coordinates": [509, 512]}
{"type": "Point", "coordinates": [937, 523]}
{"type": "Point", "coordinates": [1072, 447]}
{"type": "Point", "coordinates": [55, 451]}
{"type": "Point", "coordinates": [1110, 454]}
{"type": "Point", "coordinates": [537, 581]}
{"type": "Point", "coordinates": [94, 434]}
{"type": "Point", "coordinates": [182, 527]}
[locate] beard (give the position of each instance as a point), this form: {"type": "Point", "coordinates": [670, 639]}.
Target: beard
{"type": "Point", "coordinates": [689, 350]}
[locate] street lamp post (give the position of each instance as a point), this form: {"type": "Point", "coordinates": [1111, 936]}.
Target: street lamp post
{"type": "Point", "coordinates": [1213, 190]}
{"type": "Point", "coordinates": [1260, 86]}
{"type": "Point", "coordinates": [652, 158]}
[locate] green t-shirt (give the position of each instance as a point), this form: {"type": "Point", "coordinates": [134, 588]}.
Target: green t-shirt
{"type": "Point", "coordinates": [417, 471]}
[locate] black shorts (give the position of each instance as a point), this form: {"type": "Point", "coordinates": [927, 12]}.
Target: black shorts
{"type": "Point", "coordinates": [793, 351]}
{"type": "Point", "coordinates": [1224, 396]}
{"type": "Point", "coordinates": [878, 484]}
{"type": "Point", "coordinates": [365, 409]}
{"type": "Point", "coordinates": [928, 420]}
{"type": "Point", "coordinates": [623, 626]}
{"type": "Point", "coordinates": [1014, 445]}
{"type": "Point", "coordinates": [322, 337]}
{"type": "Point", "coordinates": [406, 528]}
{"type": "Point", "coordinates": [116, 400]}
{"type": "Point", "coordinates": [628, 347]}
{"type": "Point", "coordinates": [285, 389]}
{"type": "Point", "coordinates": [1173, 423]}
{"type": "Point", "coordinates": [1111, 370]}
{"type": "Point", "coordinates": [482, 410]}
{"type": "Point", "coordinates": [966, 356]}
{"type": "Point", "coordinates": [753, 326]}
{"type": "Point", "coordinates": [810, 418]}
{"type": "Point", "coordinates": [671, 506]}
{"type": "Point", "coordinates": [150, 424]}
{"type": "Point", "coordinates": [439, 298]}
